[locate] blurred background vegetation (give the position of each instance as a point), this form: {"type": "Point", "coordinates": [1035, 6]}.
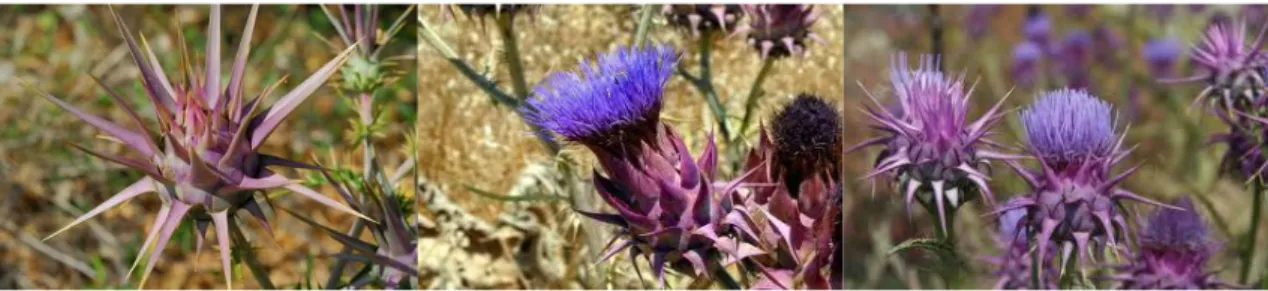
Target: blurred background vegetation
{"type": "Point", "coordinates": [979, 41]}
{"type": "Point", "coordinates": [57, 48]}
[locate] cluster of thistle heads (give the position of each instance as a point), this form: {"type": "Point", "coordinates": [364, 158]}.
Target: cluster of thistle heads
{"type": "Point", "coordinates": [1073, 214]}
{"type": "Point", "coordinates": [778, 219]}
{"type": "Point", "coordinates": [774, 30]}
{"type": "Point", "coordinates": [202, 159]}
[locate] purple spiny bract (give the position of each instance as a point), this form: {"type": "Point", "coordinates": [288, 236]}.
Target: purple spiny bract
{"type": "Point", "coordinates": [1174, 248]}
{"type": "Point", "coordinates": [1073, 203]}
{"type": "Point", "coordinates": [595, 105]}
{"type": "Point", "coordinates": [1232, 68]}
{"type": "Point", "coordinates": [932, 149]}
{"type": "Point", "coordinates": [205, 163]}
{"type": "Point", "coordinates": [779, 30]}
{"type": "Point", "coordinates": [1013, 266]}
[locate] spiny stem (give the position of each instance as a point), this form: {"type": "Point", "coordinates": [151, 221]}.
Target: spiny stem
{"type": "Point", "coordinates": [1248, 251]}
{"type": "Point", "coordinates": [247, 255]}
{"type": "Point", "coordinates": [644, 21]}
{"type": "Point", "coordinates": [750, 104]}
{"type": "Point", "coordinates": [511, 50]}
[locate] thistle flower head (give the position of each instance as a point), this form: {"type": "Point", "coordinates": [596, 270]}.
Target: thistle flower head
{"type": "Point", "coordinates": [1232, 67]}
{"type": "Point", "coordinates": [780, 30]}
{"type": "Point", "coordinates": [1224, 50]}
{"type": "Point", "coordinates": [613, 102]}
{"type": "Point", "coordinates": [932, 149]}
{"type": "Point", "coordinates": [703, 17]}
{"type": "Point", "coordinates": [1175, 245]}
{"type": "Point", "coordinates": [1160, 54]}
{"type": "Point", "coordinates": [1073, 203]}
{"type": "Point", "coordinates": [205, 162]}
{"type": "Point", "coordinates": [666, 204]}
{"type": "Point", "coordinates": [1074, 57]}
{"type": "Point", "coordinates": [807, 139]}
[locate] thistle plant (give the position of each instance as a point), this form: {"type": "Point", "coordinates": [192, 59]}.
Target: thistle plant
{"type": "Point", "coordinates": [1074, 202]}
{"type": "Point", "coordinates": [932, 151]}
{"type": "Point", "coordinates": [667, 205]}
{"type": "Point", "coordinates": [1175, 245]}
{"type": "Point", "coordinates": [801, 202]}
{"type": "Point", "coordinates": [205, 163]}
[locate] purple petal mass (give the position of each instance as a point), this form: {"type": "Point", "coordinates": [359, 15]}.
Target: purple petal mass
{"type": "Point", "coordinates": [624, 88]}
{"type": "Point", "coordinates": [1069, 124]}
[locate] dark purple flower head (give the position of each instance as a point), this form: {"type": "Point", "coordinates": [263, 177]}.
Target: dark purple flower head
{"type": "Point", "coordinates": [1073, 199]}
{"type": "Point", "coordinates": [1025, 67]}
{"type": "Point", "coordinates": [1244, 157]}
{"type": "Point", "coordinates": [1175, 245]}
{"type": "Point", "coordinates": [1069, 125]}
{"type": "Point", "coordinates": [205, 164]}
{"type": "Point", "coordinates": [704, 17]}
{"type": "Point", "coordinates": [611, 102]}
{"type": "Point", "coordinates": [932, 149]}
{"type": "Point", "coordinates": [807, 134]}
{"type": "Point", "coordinates": [1037, 28]}
{"type": "Point", "coordinates": [1160, 54]}
{"type": "Point", "coordinates": [780, 30]}
{"type": "Point", "coordinates": [799, 227]}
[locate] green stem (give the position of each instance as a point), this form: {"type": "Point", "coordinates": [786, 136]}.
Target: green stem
{"type": "Point", "coordinates": [1248, 253]}
{"type": "Point", "coordinates": [433, 40]}
{"type": "Point", "coordinates": [750, 104]}
{"type": "Point", "coordinates": [246, 254]}
{"type": "Point", "coordinates": [511, 50]}
{"type": "Point", "coordinates": [705, 83]}
{"type": "Point", "coordinates": [644, 21]}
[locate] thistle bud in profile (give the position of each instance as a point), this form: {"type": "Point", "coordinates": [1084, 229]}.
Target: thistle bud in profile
{"type": "Point", "coordinates": [699, 18]}
{"type": "Point", "coordinates": [1175, 245]}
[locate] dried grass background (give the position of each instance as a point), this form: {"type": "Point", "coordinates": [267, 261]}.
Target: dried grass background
{"type": "Point", "coordinates": [467, 140]}
{"type": "Point", "coordinates": [46, 183]}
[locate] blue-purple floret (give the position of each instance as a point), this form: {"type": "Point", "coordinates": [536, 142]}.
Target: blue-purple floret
{"type": "Point", "coordinates": [1161, 54]}
{"type": "Point", "coordinates": [625, 87]}
{"type": "Point", "coordinates": [1065, 125]}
